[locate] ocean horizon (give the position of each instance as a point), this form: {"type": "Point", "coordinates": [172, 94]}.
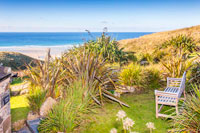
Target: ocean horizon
{"type": "Point", "coordinates": [57, 39]}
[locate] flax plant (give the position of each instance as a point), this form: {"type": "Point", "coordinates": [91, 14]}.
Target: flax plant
{"type": "Point", "coordinates": [189, 119]}
{"type": "Point", "coordinates": [92, 70]}
{"type": "Point", "coordinates": [46, 75]}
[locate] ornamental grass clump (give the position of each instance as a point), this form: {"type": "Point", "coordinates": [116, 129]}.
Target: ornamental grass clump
{"type": "Point", "coordinates": [189, 119]}
{"type": "Point", "coordinates": [131, 75]}
{"type": "Point", "coordinates": [70, 112]}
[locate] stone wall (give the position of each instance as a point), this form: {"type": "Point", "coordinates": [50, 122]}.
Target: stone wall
{"type": "Point", "coordinates": [5, 116]}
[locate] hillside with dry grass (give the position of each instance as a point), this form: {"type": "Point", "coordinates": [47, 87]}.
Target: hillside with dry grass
{"type": "Point", "coordinates": [15, 60]}
{"type": "Point", "coordinates": [148, 43]}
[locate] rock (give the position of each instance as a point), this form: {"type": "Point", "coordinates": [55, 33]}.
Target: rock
{"type": "Point", "coordinates": [33, 125]}
{"type": "Point", "coordinates": [32, 116]}
{"type": "Point", "coordinates": [47, 106]}
{"type": "Point", "coordinates": [117, 94]}
{"type": "Point", "coordinates": [15, 93]}
{"type": "Point", "coordinates": [25, 91]}
{"type": "Point", "coordinates": [143, 63]}
{"type": "Point", "coordinates": [130, 88]}
{"type": "Point", "coordinates": [20, 87]}
{"type": "Point", "coordinates": [18, 124]}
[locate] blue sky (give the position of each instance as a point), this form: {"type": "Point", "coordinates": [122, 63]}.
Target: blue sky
{"type": "Point", "coordinates": [78, 15]}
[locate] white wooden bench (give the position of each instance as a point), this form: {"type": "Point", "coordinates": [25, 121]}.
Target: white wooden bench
{"type": "Point", "coordinates": [171, 95]}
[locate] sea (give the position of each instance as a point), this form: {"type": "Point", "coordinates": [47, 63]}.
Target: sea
{"type": "Point", "coordinates": [31, 39]}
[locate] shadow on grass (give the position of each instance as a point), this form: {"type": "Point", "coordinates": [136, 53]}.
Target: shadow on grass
{"type": "Point", "coordinates": [19, 113]}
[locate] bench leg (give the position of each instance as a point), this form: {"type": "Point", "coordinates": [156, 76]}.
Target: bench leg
{"type": "Point", "coordinates": [156, 106]}
{"type": "Point", "coordinates": [177, 113]}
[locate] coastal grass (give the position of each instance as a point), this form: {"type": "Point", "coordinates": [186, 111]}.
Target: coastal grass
{"type": "Point", "coordinates": [17, 81]}
{"type": "Point", "coordinates": [142, 110]}
{"type": "Point", "coordinates": [19, 107]}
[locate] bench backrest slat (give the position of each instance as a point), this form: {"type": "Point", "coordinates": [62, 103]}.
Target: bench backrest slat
{"type": "Point", "coordinates": [177, 82]}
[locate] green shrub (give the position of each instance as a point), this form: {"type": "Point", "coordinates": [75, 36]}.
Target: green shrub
{"type": "Point", "coordinates": [195, 74]}
{"type": "Point", "coordinates": [141, 77]}
{"type": "Point", "coordinates": [146, 57]}
{"type": "Point", "coordinates": [70, 111]}
{"type": "Point", "coordinates": [131, 75]}
{"type": "Point", "coordinates": [189, 119]}
{"type": "Point", "coordinates": [36, 99]}
{"type": "Point", "coordinates": [152, 78]}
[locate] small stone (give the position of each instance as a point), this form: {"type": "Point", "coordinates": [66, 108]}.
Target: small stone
{"type": "Point", "coordinates": [18, 125]}
{"type": "Point", "coordinates": [32, 116]}
{"type": "Point", "coordinates": [47, 106]}
{"type": "Point", "coordinates": [15, 93]}
{"type": "Point", "coordinates": [25, 91]}
{"type": "Point", "coordinates": [117, 94]}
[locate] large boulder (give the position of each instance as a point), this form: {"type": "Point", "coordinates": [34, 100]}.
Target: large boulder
{"type": "Point", "coordinates": [47, 106]}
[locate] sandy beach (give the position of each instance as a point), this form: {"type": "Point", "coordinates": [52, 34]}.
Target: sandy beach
{"type": "Point", "coordinates": [38, 52]}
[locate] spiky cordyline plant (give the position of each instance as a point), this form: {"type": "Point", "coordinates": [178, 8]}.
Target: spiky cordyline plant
{"type": "Point", "coordinates": [177, 61]}
{"type": "Point", "coordinates": [92, 70]}
{"type": "Point", "coordinates": [46, 75]}
{"type": "Point", "coordinates": [109, 49]}
{"type": "Point", "coordinates": [189, 119]}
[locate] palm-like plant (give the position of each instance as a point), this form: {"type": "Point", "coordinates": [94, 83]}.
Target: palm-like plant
{"type": "Point", "coordinates": [177, 58]}
{"type": "Point", "coordinates": [108, 48]}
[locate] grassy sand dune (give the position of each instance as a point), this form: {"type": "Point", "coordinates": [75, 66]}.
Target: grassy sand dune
{"type": "Point", "coordinates": [148, 43]}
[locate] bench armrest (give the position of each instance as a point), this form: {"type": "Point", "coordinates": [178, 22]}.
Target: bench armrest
{"type": "Point", "coordinates": [167, 94]}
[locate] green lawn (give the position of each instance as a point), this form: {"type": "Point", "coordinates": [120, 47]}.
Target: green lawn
{"type": "Point", "coordinates": [142, 110]}
{"type": "Point", "coordinates": [19, 108]}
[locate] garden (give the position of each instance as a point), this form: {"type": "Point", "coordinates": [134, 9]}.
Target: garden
{"type": "Point", "coordinates": [99, 87]}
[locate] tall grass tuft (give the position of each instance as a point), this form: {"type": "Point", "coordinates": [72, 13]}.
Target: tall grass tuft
{"type": "Point", "coordinates": [152, 77]}
{"type": "Point", "coordinates": [70, 111]}
{"type": "Point", "coordinates": [189, 119]}
{"type": "Point", "coordinates": [35, 99]}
